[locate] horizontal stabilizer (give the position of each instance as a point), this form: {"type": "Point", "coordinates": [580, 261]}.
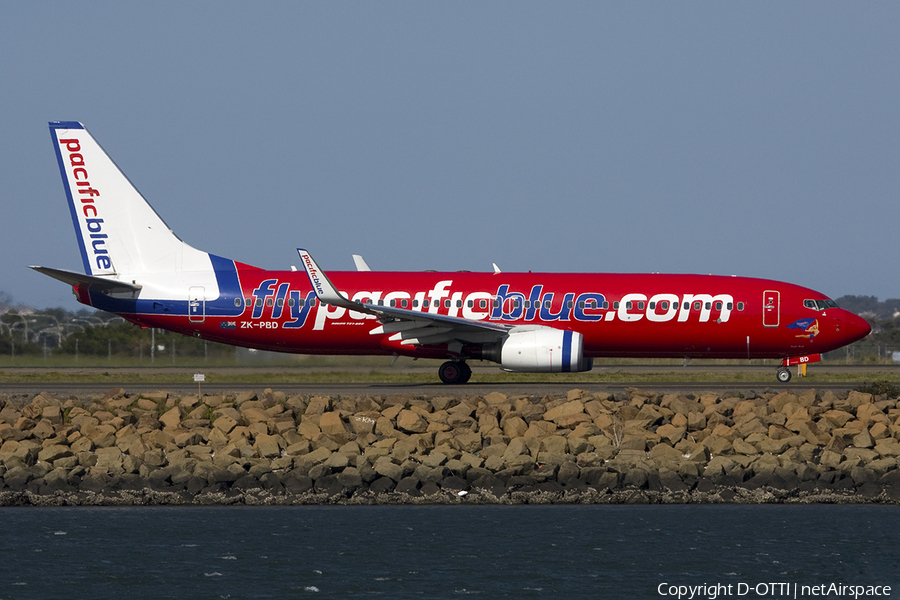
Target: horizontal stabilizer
{"type": "Point", "coordinates": [100, 284]}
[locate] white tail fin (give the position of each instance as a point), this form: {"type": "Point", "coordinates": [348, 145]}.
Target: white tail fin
{"type": "Point", "coordinates": [119, 233]}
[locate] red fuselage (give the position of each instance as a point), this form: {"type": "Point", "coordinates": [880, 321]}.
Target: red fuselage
{"type": "Point", "coordinates": [620, 315]}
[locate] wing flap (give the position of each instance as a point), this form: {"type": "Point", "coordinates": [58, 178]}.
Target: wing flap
{"type": "Point", "coordinates": [419, 333]}
{"type": "Point", "coordinates": [397, 326]}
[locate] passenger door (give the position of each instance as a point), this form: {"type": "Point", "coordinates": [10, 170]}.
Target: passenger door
{"type": "Point", "coordinates": [771, 308]}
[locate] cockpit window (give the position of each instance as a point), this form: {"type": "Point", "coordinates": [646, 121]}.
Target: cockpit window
{"type": "Point", "coordinates": [820, 304]}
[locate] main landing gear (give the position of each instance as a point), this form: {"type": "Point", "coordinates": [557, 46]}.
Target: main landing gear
{"type": "Point", "coordinates": [454, 372]}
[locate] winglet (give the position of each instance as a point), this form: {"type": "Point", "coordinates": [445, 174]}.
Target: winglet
{"type": "Point", "coordinates": [360, 263]}
{"type": "Point", "coordinates": [322, 286]}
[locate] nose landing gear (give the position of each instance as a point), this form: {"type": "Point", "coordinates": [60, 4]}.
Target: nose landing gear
{"type": "Point", "coordinates": [783, 374]}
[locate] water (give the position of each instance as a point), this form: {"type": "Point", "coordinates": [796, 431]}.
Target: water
{"type": "Point", "coordinates": [443, 551]}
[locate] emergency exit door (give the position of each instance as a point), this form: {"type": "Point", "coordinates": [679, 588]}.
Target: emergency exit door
{"type": "Point", "coordinates": [771, 308]}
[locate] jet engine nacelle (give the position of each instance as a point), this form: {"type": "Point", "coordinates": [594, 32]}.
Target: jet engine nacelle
{"type": "Point", "coordinates": [541, 350]}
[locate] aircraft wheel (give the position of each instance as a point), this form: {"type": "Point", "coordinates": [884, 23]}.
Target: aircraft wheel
{"type": "Point", "coordinates": [454, 372]}
{"type": "Point", "coordinates": [783, 374]}
{"type": "Point", "coordinates": [467, 372]}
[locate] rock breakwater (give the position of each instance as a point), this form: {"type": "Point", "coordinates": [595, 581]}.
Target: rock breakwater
{"type": "Point", "coordinates": [269, 448]}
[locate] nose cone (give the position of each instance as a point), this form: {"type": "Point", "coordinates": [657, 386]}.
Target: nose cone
{"type": "Point", "coordinates": [851, 327]}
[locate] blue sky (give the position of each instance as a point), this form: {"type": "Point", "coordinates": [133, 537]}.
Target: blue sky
{"type": "Point", "coordinates": [758, 139]}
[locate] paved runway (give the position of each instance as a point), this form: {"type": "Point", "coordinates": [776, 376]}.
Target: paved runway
{"type": "Point", "coordinates": [393, 389]}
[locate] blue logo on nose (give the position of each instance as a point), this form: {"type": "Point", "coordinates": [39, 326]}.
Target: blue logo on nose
{"type": "Point", "coordinates": [809, 327]}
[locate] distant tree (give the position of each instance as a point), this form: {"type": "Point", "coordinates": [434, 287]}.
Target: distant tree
{"type": "Point", "coordinates": [869, 306]}
{"type": "Point", "coordinates": [5, 301]}
{"type": "Point", "coordinates": [61, 314]}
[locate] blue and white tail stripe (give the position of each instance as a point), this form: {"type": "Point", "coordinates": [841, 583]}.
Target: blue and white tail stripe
{"type": "Point", "coordinates": [229, 301]}
{"type": "Point", "coordinates": [123, 240]}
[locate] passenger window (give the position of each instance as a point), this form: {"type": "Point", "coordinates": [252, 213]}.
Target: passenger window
{"type": "Point", "coordinates": [740, 306]}
{"type": "Point", "coordinates": [291, 302]}
{"type": "Point", "coordinates": [628, 305]}
{"type": "Point", "coordinates": [708, 305]}
{"type": "Point", "coordinates": [616, 305]}
{"type": "Point", "coordinates": [641, 305]}
{"type": "Point", "coordinates": [729, 306]}
{"type": "Point", "coordinates": [281, 302]}
{"type": "Point", "coordinates": [237, 302]}
{"type": "Point", "coordinates": [459, 304]}
{"type": "Point", "coordinates": [301, 302]}
{"type": "Point", "coordinates": [470, 303]}
{"type": "Point", "coordinates": [697, 306]}
{"type": "Point", "coordinates": [653, 306]}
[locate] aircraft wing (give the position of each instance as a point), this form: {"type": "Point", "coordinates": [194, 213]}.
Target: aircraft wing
{"type": "Point", "coordinates": [412, 327]}
{"type": "Point", "coordinates": [407, 327]}
{"type": "Point", "coordinates": [100, 284]}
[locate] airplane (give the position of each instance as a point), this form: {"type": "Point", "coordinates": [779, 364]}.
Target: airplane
{"type": "Point", "coordinates": [136, 267]}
